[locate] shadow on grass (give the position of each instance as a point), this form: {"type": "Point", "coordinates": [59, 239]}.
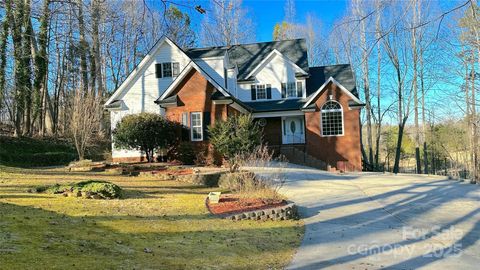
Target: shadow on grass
{"type": "Point", "coordinates": [34, 238]}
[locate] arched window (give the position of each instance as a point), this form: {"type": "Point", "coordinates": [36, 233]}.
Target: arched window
{"type": "Point", "coordinates": [332, 119]}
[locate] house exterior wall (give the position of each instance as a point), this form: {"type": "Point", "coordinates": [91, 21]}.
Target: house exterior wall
{"type": "Point", "coordinates": [272, 131]}
{"type": "Point", "coordinates": [341, 152]}
{"type": "Point", "coordinates": [274, 72]}
{"type": "Point", "coordinates": [140, 94]}
{"type": "Point", "coordinates": [214, 67]}
{"type": "Point", "coordinates": [194, 96]}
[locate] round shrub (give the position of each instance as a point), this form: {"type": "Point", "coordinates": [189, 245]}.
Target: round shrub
{"type": "Point", "coordinates": [184, 152]}
{"type": "Point", "coordinates": [105, 189]}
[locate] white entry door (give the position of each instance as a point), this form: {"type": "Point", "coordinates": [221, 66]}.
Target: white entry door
{"type": "Point", "coordinates": [293, 129]}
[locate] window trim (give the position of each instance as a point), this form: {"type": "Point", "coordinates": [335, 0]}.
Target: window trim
{"type": "Point", "coordinates": [264, 90]}
{"type": "Point", "coordinates": [296, 89]}
{"type": "Point", "coordinates": [336, 110]}
{"type": "Point", "coordinates": [192, 126]}
{"type": "Point", "coordinates": [171, 64]}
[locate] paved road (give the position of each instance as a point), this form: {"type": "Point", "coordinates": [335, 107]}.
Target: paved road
{"type": "Point", "coordinates": [373, 221]}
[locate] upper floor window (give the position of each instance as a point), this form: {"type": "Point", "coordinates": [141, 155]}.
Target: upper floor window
{"type": "Point", "coordinates": [261, 91]}
{"type": "Point", "coordinates": [167, 69]}
{"type": "Point", "coordinates": [332, 119]}
{"type": "Point", "coordinates": [292, 89]}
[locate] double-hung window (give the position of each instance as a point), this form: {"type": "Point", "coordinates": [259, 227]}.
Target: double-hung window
{"type": "Point", "coordinates": [167, 69]}
{"type": "Point", "coordinates": [196, 126]}
{"type": "Point", "coordinates": [261, 91]}
{"type": "Point", "coordinates": [292, 89]}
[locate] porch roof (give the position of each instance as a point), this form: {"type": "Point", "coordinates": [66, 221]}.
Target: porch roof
{"type": "Point", "coordinates": [276, 105]}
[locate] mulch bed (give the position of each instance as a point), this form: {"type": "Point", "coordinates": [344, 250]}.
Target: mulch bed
{"type": "Point", "coordinates": [233, 204]}
{"type": "Point", "coordinates": [185, 171]}
{"type": "Point", "coordinates": [151, 169]}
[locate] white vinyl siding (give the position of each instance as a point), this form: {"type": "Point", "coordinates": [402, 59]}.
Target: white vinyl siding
{"type": "Point", "coordinates": [275, 72]}
{"type": "Point", "coordinates": [140, 94]}
{"type": "Point", "coordinates": [196, 126]}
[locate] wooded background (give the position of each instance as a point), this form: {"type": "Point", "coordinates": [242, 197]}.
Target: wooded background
{"type": "Point", "coordinates": [416, 64]}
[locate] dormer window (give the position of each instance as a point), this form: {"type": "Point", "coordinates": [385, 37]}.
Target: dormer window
{"type": "Point", "coordinates": [261, 91]}
{"type": "Point", "coordinates": [292, 90]}
{"type": "Point", "coordinates": [167, 69]}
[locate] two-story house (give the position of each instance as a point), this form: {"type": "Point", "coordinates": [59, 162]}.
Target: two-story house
{"type": "Point", "coordinates": [315, 110]}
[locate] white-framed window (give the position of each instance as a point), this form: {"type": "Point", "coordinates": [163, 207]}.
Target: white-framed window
{"type": "Point", "coordinates": [167, 69]}
{"type": "Point", "coordinates": [261, 91]}
{"type": "Point", "coordinates": [292, 89]}
{"type": "Point", "coordinates": [196, 127]}
{"type": "Point", "coordinates": [332, 119]}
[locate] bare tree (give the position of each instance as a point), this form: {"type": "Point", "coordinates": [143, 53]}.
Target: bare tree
{"type": "Point", "coordinates": [85, 120]}
{"type": "Point", "coordinates": [358, 11]}
{"type": "Point", "coordinates": [227, 24]}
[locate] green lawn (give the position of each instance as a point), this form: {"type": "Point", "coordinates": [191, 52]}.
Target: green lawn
{"type": "Point", "coordinates": [168, 218]}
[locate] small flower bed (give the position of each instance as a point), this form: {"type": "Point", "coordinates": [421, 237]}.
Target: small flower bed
{"type": "Point", "coordinates": [232, 204]}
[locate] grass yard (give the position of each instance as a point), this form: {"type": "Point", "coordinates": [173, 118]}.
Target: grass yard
{"type": "Point", "coordinates": [157, 225]}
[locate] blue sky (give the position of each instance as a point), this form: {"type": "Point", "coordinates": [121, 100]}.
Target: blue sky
{"type": "Point", "coordinates": [266, 13]}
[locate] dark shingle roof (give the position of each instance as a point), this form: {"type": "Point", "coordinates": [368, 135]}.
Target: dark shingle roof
{"type": "Point", "coordinates": [341, 73]}
{"type": "Point", "coordinates": [168, 100]}
{"type": "Point", "coordinates": [116, 104]}
{"type": "Point", "coordinates": [206, 52]}
{"type": "Point", "coordinates": [276, 105]}
{"type": "Point", "coordinates": [248, 56]}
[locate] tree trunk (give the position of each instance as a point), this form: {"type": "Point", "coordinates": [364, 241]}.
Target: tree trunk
{"type": "Point", "coordinates": [415, 88]}
{"type": "Point", "coordinates": [398, 149]}
{"type": "Point", "coordinates": [379, 56]}
{"type": "Point", "coordinates": [15, 19]}
{"type": "Point", "coordinates": [83, 48]}
{"type": "Point", "coordinates": [3, 58]}
{"type": "Point", "coordinates": [41, 66]}
{"type": "Point", "coordinates": [96, 46]}
{"type": "Point", "coordinates": [366, 83]}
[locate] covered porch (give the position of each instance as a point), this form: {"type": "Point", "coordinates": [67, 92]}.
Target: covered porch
{"type": "Point", "coordinates": [283, 129]}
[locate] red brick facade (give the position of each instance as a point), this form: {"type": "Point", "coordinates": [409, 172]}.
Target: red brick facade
{"type": "Point", "coordinates": [341, 152]}
{"type": "Point", "coordinates": [194, 94]}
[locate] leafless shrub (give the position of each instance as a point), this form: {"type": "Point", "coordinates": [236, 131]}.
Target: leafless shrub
{"type": "Point", "coordinates": [85, 120]}
{"type": "Point", "coordinates": [268, 178]}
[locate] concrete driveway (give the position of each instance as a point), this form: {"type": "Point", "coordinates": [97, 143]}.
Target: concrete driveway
{"type": "Point", "coordinates": [374, 220]}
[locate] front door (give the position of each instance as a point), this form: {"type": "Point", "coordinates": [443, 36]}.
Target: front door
{"type": "Point", "coordinates": [293, 130]}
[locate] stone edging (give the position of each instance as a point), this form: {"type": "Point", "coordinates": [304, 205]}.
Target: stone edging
{"type": "Point", "coordinates": [285, 212]}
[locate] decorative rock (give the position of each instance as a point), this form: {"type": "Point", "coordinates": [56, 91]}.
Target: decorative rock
{"type": "Point", "coordinates": [278, 213]}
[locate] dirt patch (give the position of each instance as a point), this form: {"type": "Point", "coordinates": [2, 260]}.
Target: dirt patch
{"type": "Point", "coordinates": [232, 204]}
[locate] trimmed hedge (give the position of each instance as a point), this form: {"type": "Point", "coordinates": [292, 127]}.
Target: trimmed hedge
{"type": "Point", "coordinates": [31, 152]}
{"type": "Point", "coordinates": [38, 159]}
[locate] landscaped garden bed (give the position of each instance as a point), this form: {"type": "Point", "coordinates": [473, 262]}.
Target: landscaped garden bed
{"type": "Point", "coordinates": [232, 204]}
